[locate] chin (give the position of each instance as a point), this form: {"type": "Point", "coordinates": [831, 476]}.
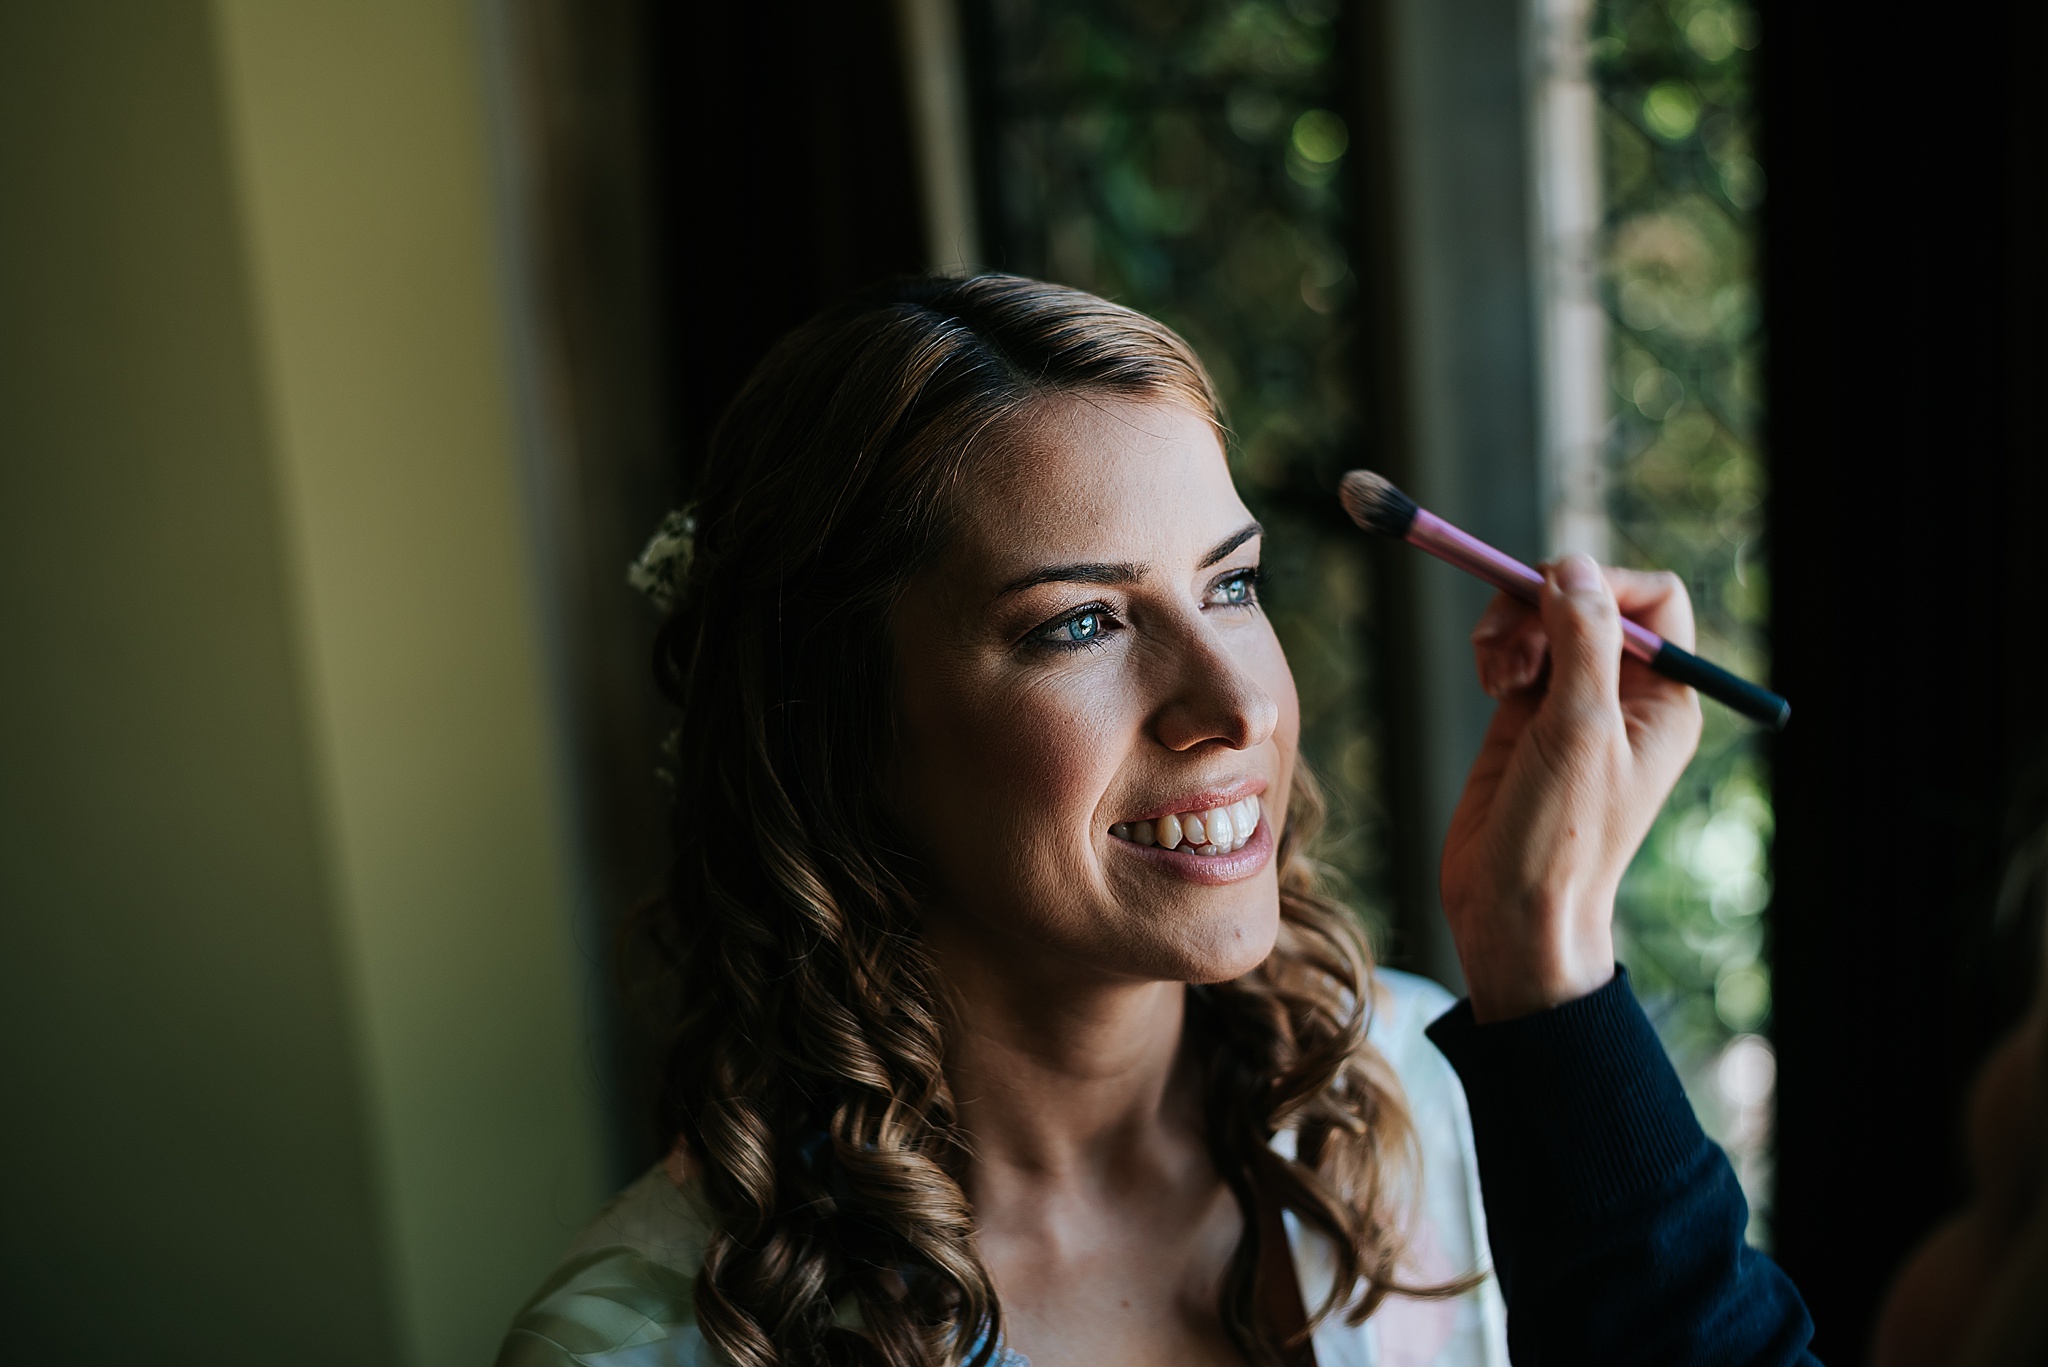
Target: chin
{"type": "Point", "coordinates": [1232, 946]}
{"type": "Point", "coordinates": [1225, 943]}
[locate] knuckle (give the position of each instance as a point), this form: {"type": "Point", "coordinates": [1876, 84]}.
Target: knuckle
{"type": "Point", "coordinates": [1594, 620]}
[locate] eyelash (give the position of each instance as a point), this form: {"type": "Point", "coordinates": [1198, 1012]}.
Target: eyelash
{"type": "Point", "coordinates": [1254, 580]}
{"type": "Point", "coordinates": [1043, 637]}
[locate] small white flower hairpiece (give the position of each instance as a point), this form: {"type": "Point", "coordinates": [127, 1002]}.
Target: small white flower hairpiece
{"type": "Point", "coordinates": [662, 571]}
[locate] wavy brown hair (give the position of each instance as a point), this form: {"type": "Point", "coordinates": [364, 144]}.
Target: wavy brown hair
{"type": "Point", "coordinates": [804, 1072]}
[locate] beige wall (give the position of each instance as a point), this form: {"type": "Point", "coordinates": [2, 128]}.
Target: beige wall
{"type": "Point", "coordinates": [293, 1051]}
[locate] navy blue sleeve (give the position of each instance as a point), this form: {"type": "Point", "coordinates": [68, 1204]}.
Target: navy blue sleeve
{"type": "Point", "coordinates": [1617, 1227]}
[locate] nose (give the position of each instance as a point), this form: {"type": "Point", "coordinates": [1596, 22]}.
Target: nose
{"type": "Point", "coordinates": [1214, 698]}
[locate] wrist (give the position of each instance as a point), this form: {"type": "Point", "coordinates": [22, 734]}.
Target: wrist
{"type": "Point", "coordinates": [1541, 961]}
{"type": "Point", "coordinates": [1504, 997]}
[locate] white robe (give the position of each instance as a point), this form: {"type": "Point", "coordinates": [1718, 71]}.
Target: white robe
{"type": "Point", "coordinates": [622, 1295]}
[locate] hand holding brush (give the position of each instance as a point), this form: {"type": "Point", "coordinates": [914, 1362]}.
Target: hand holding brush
{"type": "Point", "coordinates": [1376, 505]}
{"type": "Point", "coordinates": [1571, 773]}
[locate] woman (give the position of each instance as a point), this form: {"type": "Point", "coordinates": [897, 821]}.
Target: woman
{"type": "Point", "coordinates": [1012, 1019]}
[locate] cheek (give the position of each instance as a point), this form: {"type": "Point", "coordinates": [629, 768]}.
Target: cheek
{"type": "Point", "coordinates": [1046, 753]}
{"type": "Point", "coordinates": [1001, 778]}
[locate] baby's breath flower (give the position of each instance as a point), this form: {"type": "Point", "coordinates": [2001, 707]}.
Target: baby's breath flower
{"type": "Point", "coordinates": [663, 569]}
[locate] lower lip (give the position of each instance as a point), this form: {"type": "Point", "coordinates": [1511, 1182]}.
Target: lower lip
{"type": "Point", "coordinates": [1209, 869]}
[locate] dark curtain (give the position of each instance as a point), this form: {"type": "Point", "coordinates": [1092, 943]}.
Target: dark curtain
{"type": "Point", "coordinates": [1906, 241]}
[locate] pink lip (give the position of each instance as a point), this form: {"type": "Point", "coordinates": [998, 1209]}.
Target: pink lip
{"type": "Point", "coordinates": [1209, 869]}
{"type": "Point", "coordinates": [1201, 801]}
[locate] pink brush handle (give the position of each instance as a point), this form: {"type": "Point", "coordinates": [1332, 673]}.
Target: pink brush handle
{"type": "Point", "coordinates": [1431, 533]}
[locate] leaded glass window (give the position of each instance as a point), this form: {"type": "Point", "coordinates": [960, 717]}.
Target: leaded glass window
{"type": "Point", "coordinates": [1683, 185]}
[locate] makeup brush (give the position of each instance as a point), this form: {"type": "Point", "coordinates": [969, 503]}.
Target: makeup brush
{"type": "Point", "coordinates": [1378, 506]}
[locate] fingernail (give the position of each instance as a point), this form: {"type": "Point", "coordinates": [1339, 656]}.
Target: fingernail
{"type": "Point", "coordinates": [1577, 574]}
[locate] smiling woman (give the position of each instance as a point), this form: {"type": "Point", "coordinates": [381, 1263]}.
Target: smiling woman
{"type": "Point", "coordinates": [1086, 697]}
{"type": "Point", "coordinates": [1011, 1016]}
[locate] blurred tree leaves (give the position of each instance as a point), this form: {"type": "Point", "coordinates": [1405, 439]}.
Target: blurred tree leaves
{"type": "Point", "coordinates": [1683, 185]}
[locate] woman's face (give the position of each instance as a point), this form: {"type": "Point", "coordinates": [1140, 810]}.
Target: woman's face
{"type": "Point", "coordinates": [1088, 669]}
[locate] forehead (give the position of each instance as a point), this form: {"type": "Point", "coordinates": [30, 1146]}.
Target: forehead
{"type": "Point", "coordinates": [1103, 478]}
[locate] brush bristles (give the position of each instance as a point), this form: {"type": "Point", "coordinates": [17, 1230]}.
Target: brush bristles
{"type": "Point", "coordinates": [1376, 505]}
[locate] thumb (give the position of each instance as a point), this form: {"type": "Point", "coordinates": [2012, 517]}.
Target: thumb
{"type": "Point", "coordinates": [1584, 627]}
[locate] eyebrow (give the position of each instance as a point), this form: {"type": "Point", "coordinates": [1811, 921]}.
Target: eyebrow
{"type": "Point", "coordinates": [1231, 543]}
{"type": "Point", "coordinates": [1084, 573]}
{"type": "Point", "coordinates": [1121, 572]}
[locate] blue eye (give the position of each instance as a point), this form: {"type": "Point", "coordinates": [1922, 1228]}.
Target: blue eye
{"type": "Point", "coordinates": [1239, 591]}
{"type": "Point", "coordinates": [1089, 626]}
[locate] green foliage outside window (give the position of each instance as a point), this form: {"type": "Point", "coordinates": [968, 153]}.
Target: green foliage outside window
{"type": "Point", "coordinates": [1683, 186]}
{"type": "Point", "coordinates": [1185, 159]}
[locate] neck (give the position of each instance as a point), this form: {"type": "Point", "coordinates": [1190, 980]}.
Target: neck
{"type": "Point", "coordinates": [1062, 1075]}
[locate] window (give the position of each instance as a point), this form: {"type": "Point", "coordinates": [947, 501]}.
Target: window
{"type": "Point", "coordinates": [1686, 489]}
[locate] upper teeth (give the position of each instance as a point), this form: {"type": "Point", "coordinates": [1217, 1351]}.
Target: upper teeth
{"type": "Point", "coordinates": [1219, 830]}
